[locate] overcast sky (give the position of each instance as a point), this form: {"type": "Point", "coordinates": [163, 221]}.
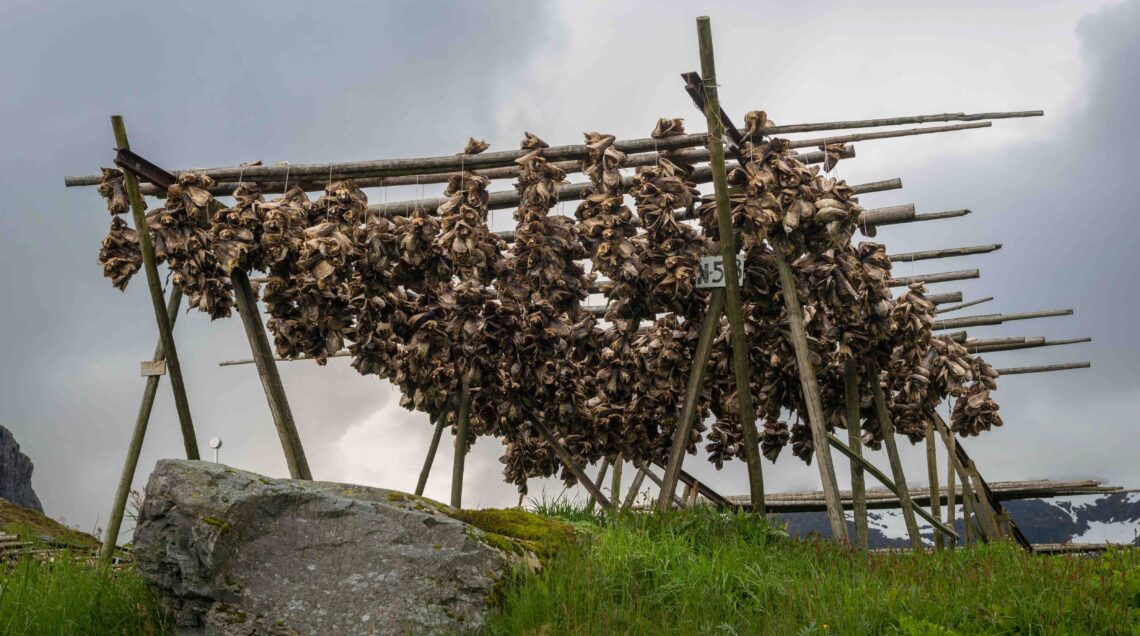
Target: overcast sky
{"type": "Point", "coordinates": [218, 83]}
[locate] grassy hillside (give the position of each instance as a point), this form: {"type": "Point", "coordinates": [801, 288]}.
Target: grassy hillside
{"type": "Point", "coordinates": [703, 572]}
{"type": "Point", "coordinates": [688, 572]}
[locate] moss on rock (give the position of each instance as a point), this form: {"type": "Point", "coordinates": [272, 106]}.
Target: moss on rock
{"type": "Point", "coordinates": [516, 531]}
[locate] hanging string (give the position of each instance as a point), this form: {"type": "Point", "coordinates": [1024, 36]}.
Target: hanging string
{"type": "Point", "coordinates": [288, 169]}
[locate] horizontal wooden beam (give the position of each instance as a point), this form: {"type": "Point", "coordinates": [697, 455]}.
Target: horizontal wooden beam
{"type": "Point", "coordinates": [997, 319]}
{"type": "Point", "coordinates": [939, 277]}
{"type": "Point", "coordinates": [1044, 368]}
{"type": "Point", "coordinates": [949, 252]}
{"type": "Point", "coordinates": [972, 303]}
{"type": "Point", "coordinates": [427, 165]}
{"type": "Point", "coordinates": [880, 499]}
{"type": "Point", "coordinates": [1030, 343]}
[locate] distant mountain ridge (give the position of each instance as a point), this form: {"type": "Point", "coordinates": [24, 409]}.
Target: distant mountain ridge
{"type": "Point", "coordinates": [1112, 518]}
{"type": "Point", "coordinates": [16, 473]}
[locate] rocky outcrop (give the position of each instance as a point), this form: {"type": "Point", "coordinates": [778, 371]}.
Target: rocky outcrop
{"type": "Point", "coordinates": [232, 552]}
{"type": "Point", "coordinates": [16, 473]}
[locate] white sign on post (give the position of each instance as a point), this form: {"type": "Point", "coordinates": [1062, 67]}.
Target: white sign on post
{"type": "Point", "coordinates": [711, 273]}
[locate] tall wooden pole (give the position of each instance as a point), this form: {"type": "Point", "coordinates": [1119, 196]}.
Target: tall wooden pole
{"type": "Point", "coordinates": [932, 474]}
{"type": "Point", "coordinates": [692, 395]}
{"type": "Point", "coordinates": [858, 486]}
{"type": "Point", "coordinates": [461, 425]}
{"type": "Point", "coordinates": [972, 505]}
{"type": "Point", "coordinates": [130, 464]}
{"type": "Point", "coordinates": [421, 483]}
{"type": "Point", "coordinates": [734, 304]}
{"type": "Point", "coordinates": [810, 388]}
{"type": "Point", "coordinates": [270, 380]}
{"type": "Point", "coordinates": [951, 489]}
{"type": "Point", "coordinates": [162, 317]}
{"type": "Point", "coordinates": [888, 431]}
{"type": "Point", "coordinates": [615, 480]}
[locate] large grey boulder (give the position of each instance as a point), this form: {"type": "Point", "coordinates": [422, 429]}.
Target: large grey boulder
{"type": "Point", "coordinates": [232, 552]}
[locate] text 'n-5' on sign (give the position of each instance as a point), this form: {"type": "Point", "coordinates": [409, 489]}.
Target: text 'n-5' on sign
{"type": "Point", "coordinates": [711, 273]}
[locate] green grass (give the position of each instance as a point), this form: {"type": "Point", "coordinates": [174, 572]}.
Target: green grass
{"type": "Point", "coordinates": [703, 572]}
{"type": "Point", "coordinates": [67, 596]}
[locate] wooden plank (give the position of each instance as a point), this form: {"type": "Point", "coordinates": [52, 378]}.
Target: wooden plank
{"type": "Point", "coordinates": [734, 303]}
{"type": "Point", "coordinates": [888, 431]}
{"type": "Point", "coordinates": [158, 302]}
{"type": "Point", "coordinates": [853, 420]}
{"type": "Point", "coordinates": [148, 368]}
{"type": "Point", "coordinates": [810, 388]}
{"type": "Point", "coordinates": [1045, 368]}
{"type": "Point", "coordinates": [462, 420]}
{"type": "Point", "coordinates": [692, 395]}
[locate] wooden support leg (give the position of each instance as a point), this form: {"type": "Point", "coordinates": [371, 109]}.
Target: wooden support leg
{"type": "Point", "coordinates": [692, 395]}
{"type": "Point", "coordinates": [421, 484]}
{"type": "Point", "coordinates": [986, 512]}
{"type": "Point", "coordinates": [568, 461]}
{"type": "Point", "coordinates": [810, 388]}
{"type": "Point", "coordinates": [694, 492]}
{"type": "Point", "coordinates": [162, 317]}
{"type": "Point", "coordinates": [858, 486]}
{"type": "Point", "coordinates": [951, 488]}
{"type": "Point", "coordinates": [734, 306]}
{"type": "Point", "coordinates": [591, 502]}
{"type": "Point", "coordinates": [615, 484]}
{"type": "Point", "coordinates": [932, 472]}
{"type": "Point", "coordinates": [631, 496]}
{"type": "Point", "coordinates": [270, 380]}
{"type": "Point", "coordinates": [888, 431]}
{"type": "Point", "coordinates": [461, 424]}
{"type": "Point", "coordinates": [130, 464]}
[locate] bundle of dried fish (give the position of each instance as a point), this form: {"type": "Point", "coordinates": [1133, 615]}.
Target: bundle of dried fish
{"type": "Point", "coordinates": [546, 248]}
{"type": "Point", "coordinates": [779, 197]}
{"type": "Point", "coordinates": [673, 128]}
{"type": "Point", "coordinates": [179, 237]}
{"type": "Point", "coordinates": [421, 266]}
{"type": "Point", "coordinates": [113, 189]}
{"type": "Point", "coordinates": [120, 254]}
{"type": "Point", "coordinates": [379, 305]}
{"type": "Point", "coordinates": [475, 253]}
{"type": "Point", "coordinates": [236, 232]}
{"type": "Point", "coordinates": [605, 223]}
{"type": "Point", "coordinates": [670, 253]}
{"type": "Point", "coordinates": [474, 146]}
{"type": "Point", "coordinates": [283, 232]}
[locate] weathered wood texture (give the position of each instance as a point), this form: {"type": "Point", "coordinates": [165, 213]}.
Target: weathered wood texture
{"type": "Point", "coordinates": [854, 430]}
{"type": "Point", "coordinates": [462, 423]}
{"type": "Point", "coordinates": [888, 431]}
{"type": "Point", "coordinates": [810, 388]}
{"type": "Point", "coordinates": [684, 428]}
{"type": "Point", "coordinates": [158, 301]}
{"type": "Point", "coordinates": [433, 447]}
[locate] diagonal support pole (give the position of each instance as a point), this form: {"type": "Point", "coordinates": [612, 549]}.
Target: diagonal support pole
{"type": "Point", "coordinates": [888, 431]}
{"type": "Point", "coordinates": [421, 483]}
{"type": "Point", "coordinates": [568, 461]}
{"type": "Point", "coordinates": [135, 166]}
{"type": "Point", "coordinates": [692, 395]}
{"type": "Point", "coordinates": [858, 486]}
{"type": "Point", "coordinates": [162, 317]}
{"type": "Point", "coordinates": [734, 304]}
{"type": "Point", "coordinates": [130, 464]}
